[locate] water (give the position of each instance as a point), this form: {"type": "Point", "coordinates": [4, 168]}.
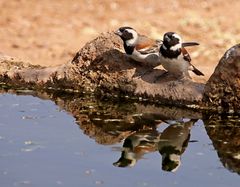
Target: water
{"type": "Point", "coordinates": [72, 141]}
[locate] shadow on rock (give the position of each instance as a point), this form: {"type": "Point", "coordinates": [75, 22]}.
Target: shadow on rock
{"type": "Point", "coordinates": [115, 62]}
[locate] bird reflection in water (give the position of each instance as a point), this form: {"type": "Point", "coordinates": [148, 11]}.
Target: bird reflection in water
{"type": "Point", "coordinates": [136, 145]}
{"type": "Point", "coordinates": [171, 144]}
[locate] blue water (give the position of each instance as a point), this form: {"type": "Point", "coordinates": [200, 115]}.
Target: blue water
{"type": "Point", "coordinates": [41, 145]}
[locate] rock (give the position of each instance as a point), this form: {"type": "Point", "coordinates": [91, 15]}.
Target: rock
{"type": "Point", "coordinates": [102, 68]}
{"type": "Point", "coordinates": [222, 91]}
{"type": "Point", "coordinates": [116, 74]}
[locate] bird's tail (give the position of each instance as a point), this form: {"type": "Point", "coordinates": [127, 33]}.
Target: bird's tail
{"type": "Point", "coordinates": [196, 71]}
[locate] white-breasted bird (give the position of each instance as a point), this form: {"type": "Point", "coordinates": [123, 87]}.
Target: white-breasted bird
{"type": "Point", "coordinates": [174, 57]}
{"type": "Point", "coordinates": [142, 48]}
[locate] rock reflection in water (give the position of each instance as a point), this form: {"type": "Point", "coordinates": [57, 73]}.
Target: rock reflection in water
{"type": "Point", "coordinates": [110, 122]}
{"type": "Point", "coordinates": [225, 135]}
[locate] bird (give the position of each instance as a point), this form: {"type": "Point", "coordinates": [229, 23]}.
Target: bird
{"type": "Point", "coordinates": [142, 48]}
{"type": "Point", "coordinates": [174, 57]}
{"type": "Point", "coordinates": [173, 142]}
{"type": "Point", "coordinates": [136, 145]}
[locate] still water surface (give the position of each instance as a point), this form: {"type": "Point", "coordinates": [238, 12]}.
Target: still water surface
{"type": "Point", "coordinates": [87, 143]}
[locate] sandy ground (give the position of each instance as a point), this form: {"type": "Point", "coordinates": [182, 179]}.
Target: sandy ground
{"type": "Point", "coordinates": [49, 32]}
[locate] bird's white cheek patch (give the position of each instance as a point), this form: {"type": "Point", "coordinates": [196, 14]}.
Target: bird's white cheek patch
{"type": "Point", "coordinates": [176, 47]}
{"type": "Point", "coordinates": [177, 36]}
{"type": "Point", "coordinates": [133, 40]}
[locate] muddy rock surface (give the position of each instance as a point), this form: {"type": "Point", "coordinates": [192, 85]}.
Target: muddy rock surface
{"type": "Point", "coordinates": [101, 67]}
{"type": "Point", "coordinates": [222, 90]}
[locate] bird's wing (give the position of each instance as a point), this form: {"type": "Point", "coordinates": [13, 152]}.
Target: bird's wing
{"type": "Point", "coordinates": [186, 55]}
{"type": "Point", "coordinates": [146, 45]}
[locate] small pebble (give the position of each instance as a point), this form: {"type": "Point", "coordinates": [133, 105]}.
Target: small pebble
{"type": "Point", "coordinates": [99, 182]}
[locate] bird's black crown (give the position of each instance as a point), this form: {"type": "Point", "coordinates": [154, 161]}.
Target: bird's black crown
{"type": "Point", "coordinates": [124, 33]}
{"type": "Point", "coordinates": [170, 39]}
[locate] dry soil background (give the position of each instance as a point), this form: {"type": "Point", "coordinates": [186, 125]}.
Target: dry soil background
{"type": "Point", "coordinates": [49, 32]}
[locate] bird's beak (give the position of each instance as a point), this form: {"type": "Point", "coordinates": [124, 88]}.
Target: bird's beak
{"type": "Point", "coordinates": [188, 44]}
{"type": "Point", "coordinates": [118, 32]}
